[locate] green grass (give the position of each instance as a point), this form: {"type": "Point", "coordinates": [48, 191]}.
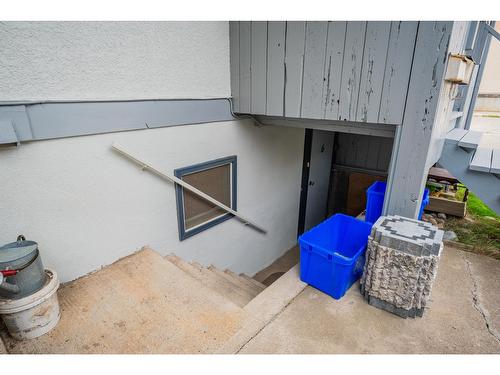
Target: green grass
{"type": "Point", "coordinates": [480, 229]}
{"type": "Point", "coordinates": [475, 206]}
{"type": "Point", "coordinates": [480, 232]}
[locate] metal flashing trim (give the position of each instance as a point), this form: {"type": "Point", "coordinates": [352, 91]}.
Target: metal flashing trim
{"type": "Point", "coordinates": [48, 120]}
{"type": "Point", "coordinates": [373, 129]}
{"type": "Point", "coordinates": [17, 116]}
{"type": "Point", "coordinates": [7, 133]}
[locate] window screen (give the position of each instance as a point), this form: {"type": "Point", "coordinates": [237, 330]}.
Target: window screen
{"type": "Point", "coordinates": [217, 178]}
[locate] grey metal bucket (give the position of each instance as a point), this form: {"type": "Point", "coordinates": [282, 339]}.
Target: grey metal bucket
{"type": "Point", "coordinates": [21, 269]}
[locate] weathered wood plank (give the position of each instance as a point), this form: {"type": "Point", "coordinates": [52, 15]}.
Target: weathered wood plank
{"type": "Point", "coordinates": [372, 152]}
{"type": "Point", "coordinates": [294, 67]}
{"type": "Point", "coordinates": [495, 161]}
{"type": "Point", "coordinates": [446, 206]}
{"type": "Point", "coordinates": [384, 153]}
{"type": "Point", "coordinates": [275, 67]}
{"type": "Point", "coordinates": [456, 135]}
{"type": "Point", "coordinates": [372, 71]}
{"type": "Point", "coordinates": [362, 154]}
{"type": "Point", "coordinates": [234, 50]}
{"type": "Point", "coordinates": [314, 64]}
{"type": "Point", "coordinates": [397, 71]}
{"type": "Point", "coordinates": [481, 161]}
{"type": "Point", "coordinates": [351, 69]}
{"type": "Point", "coordinates": [471, 139]}
{"type": "Point", "coordinates": [245, 67]}
{"type": "Point", "coordinates": [333, 68]}
{"type": "Point", "coordinates": [409, 171]}
{"type": "Point", "coordinates": [259, 67]}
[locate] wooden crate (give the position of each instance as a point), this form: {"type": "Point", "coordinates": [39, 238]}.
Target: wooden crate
{"type": "Point", "coordinates": [447, 206]}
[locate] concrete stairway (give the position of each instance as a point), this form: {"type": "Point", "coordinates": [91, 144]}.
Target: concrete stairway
{"type": "Point", "coordinates": [146, 303]}
{"type": "Point", "coordinates": [239, 289]}
{"type": "Point", "coordinates": [475, 166]}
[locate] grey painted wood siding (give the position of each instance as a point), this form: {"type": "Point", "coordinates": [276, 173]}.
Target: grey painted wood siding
{"type": "Point", "coordinates": [314, 65]}
{"type": "Point", "coordinates": [245, 60]}
{"type": "Point", "coordinates": [275, 68]}
{"type": "Point", "coordinates": [372, 78]}
{"type": "Point", "coordinates": [259, 68]}
{"type": "Point", "coordinates": [333, 66]}
{"type": "Point", "coordinates": [234, 60]}
{"type": "Point", "coordinates": [350, 71]}
{"type": "Point", "coordinates": [397, 72]}
{"type": "Point", "coordinates": [294, 67]}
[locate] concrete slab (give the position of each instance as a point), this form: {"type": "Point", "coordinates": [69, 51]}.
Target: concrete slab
{"type": "Point", "coordinates": [140, 304]}
{"type": "Point", "coordinates": [484, 272]}
{"type": "Point", "coordinates": [316, 323]}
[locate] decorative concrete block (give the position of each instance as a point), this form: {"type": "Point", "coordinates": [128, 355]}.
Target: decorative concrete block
{"type": "Point", "coordinates": [401, 264]}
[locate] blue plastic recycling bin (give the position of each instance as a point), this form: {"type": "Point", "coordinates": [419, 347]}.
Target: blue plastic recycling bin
{"type": "Point", "coordinates": [375, 200]}
{"type": "Point", "coordinates": [332, 254]}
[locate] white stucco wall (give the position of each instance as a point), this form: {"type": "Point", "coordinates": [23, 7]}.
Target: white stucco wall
{"type": "Point", "coordinates": [113, 60]}
{"type": "Point", "coordinates": [87, 206]}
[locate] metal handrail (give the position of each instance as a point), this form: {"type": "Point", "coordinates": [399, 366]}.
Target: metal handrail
{"type": "Point", "coordinates": [187, 186]}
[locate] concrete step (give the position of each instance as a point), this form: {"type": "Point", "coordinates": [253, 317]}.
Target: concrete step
{"type": "Point", "coordinates": [139, 304]}
{"type": "Point", "coordinates": [237, 283]}
{"type": "Point", "coordinates": [213, 281]}
{"type": "Point", "coordinates": [263, 309]}
{"type": "Point", "coordinates": [253, 281]}
{"type": "Point", "coordinates": [256, 288]}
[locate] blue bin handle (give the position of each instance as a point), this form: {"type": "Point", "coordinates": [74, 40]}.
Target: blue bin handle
{"type": "Point", "coordinates": [318, 250]}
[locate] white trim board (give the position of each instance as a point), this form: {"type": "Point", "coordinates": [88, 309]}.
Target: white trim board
{"type": "Point", "coordinates": [374, 129]}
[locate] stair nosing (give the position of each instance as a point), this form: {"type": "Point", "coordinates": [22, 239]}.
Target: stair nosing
{"type": "Point", "coordinates": [200, 273]}
{"type": "Point", "coordinates": [244, 281]}
{"type": "Point", "coordinates": [237, 284]}
{"type": "Point", "coordinates": [253, 281]}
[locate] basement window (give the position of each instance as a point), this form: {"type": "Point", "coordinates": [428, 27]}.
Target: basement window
{"type": "Point", "coordinates": [216, 178]}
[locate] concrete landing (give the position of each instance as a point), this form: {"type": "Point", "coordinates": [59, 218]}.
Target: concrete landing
{"type": "Point", "coordinates": [140, 304]}
{"type": "Point", "coordinates": [279, 267]}
{"type": "Point", "coordinates": [463, 316]}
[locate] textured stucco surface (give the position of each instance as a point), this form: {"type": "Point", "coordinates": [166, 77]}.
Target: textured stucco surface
{"type": "Point", "coordinates": [401, 264]}
{"type": "Point", "coordinates": [87, 206]}
{"type": "Point", "coordinates": [113, 60]}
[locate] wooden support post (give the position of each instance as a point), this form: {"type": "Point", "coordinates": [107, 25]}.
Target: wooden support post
{"type": "Point", "coordinates": [410, 160]}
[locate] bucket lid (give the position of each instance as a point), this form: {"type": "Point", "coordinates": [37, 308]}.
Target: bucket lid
{"type": "Point", "coordinates": [14, 251]}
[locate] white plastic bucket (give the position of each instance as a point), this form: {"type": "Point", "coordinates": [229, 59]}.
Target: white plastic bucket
{"type": "Point", "coordinates": [34, 315]}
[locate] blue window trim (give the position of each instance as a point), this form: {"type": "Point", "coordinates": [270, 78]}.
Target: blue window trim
{"type": "Point", "coordinates": [183, 233]}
